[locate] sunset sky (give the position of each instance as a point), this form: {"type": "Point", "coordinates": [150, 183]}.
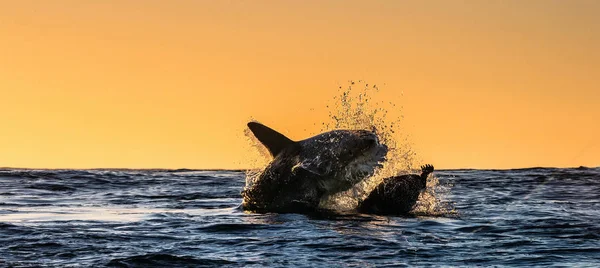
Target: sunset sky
{"type": "Point", "coordinates": [171, 84]}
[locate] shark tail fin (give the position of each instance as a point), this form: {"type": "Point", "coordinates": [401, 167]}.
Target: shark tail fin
{"type": "Point", "coordinates": [273, 140]}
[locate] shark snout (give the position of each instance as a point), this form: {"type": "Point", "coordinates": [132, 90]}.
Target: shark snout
{"type": "Point", "coordinates": [370, 144]}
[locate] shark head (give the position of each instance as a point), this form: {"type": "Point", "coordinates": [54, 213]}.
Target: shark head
{"type": "Point", "coordinates": [337, 159]}
{"type": "Point", "coordinates": [342, 157]}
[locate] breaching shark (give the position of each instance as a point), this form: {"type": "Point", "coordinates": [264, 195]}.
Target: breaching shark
{"type": "Point", "coordinates": [303, 172]}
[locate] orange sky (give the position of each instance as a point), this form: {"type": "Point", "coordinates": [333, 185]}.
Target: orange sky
{"type": "Point", "coordinates": [171, 84]}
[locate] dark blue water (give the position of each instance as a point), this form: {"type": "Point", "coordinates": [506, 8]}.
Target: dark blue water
{"type": "Point", "coordinates": [145, 218]}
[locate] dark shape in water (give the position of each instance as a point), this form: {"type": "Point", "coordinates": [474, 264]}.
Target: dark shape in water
{"type": "Point", "coordinates": [304, 172]}
{"type": "Point", "coordinates": [396, 195]}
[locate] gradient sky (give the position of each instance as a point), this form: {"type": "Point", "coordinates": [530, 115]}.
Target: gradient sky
{"type": "Point", "coordinates": [171, 84]}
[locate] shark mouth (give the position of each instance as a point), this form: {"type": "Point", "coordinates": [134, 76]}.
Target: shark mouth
{"type": "Point", "coordinates": [365, 164]}
{"type": "Point", "coordinates": [360, 168]}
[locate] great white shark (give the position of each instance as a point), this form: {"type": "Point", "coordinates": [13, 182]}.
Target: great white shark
{"type": "Point", "coordinates": [303, 172]}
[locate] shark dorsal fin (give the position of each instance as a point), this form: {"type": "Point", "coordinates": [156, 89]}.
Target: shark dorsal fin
{"type": "Point", "coordinates": [273, 140]}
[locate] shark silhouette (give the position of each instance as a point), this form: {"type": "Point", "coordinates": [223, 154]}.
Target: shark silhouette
{"type": "Point", "coordinates": [303, 172]}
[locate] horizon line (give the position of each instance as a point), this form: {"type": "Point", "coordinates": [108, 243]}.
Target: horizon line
{"type": "Point", "coordinates": [246, 169]}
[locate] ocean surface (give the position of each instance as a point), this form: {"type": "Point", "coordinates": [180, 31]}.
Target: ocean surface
{"type": "Point", "coordinates": [188, 218]}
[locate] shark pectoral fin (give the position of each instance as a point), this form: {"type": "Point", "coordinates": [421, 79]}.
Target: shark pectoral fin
{"type": "Point", "coordinates": [273, 140]}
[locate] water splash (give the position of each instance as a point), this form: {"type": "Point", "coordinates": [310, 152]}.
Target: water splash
{"type": "Point", "coordinates": [356, 108]}
{"type": "Point", "coordinates": [433, 201]}
{"type": "Point", "coordinates": [258, 160]}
